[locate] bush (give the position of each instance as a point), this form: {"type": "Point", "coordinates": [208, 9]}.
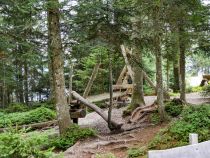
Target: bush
{"type": "Point", "coordinates": [20, 118]}
{"type": "Point", "coordinates": [136, 152]}
{"type": "Point", "coordinates": [47, 104]}
{"type": "Point", "coordinates": [16, 107]}
{"type": "Point", "coordinates": [174, 107]}
{"type": "Point", "coordinates": [193, 120]}
{"type": "Point", "coordinates": [206, 90]}
{"type": "Point", "coordinates": [73, 134]}
{"type": "Point", "coordinates": [194, 89]}
{"type": "Point", "coordinates": [15, 144]}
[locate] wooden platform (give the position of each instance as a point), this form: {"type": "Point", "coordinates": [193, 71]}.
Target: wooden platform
{"type": "Point", "coordinates": [104, 96]}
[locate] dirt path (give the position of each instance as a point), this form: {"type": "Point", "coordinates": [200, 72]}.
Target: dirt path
{"type": "Point", "coordinates": [118, 143]}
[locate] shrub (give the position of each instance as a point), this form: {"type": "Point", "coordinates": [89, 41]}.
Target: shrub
{"type": "Point", "coordinates": [174, 107]}
{"type": "Point", "coordinates": [155, 118]}
{"type": "Point", "coordinates": [193, 120]}
{"type": "Point", "coordinates": [15, 144]}
{"type": "Point", "coordinates": [73, 134]}
{"type": "Point", "coordinates": [136, 152]}
{"type": "Point", "coordinates": [20, 118]}
{"type": "Point", "coordinates": [16, 107]}
{"type": "Point", "coordinates": [206, 90]}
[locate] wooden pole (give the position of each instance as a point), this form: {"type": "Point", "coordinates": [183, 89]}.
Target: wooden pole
{"type": "Point", "coordinates": [91, 80]}
{"type": "Point", "coordinates": [98, 110]}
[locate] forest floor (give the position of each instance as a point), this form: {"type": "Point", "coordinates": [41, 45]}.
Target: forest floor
{"type": "Point", "coordinates": [118, 144]}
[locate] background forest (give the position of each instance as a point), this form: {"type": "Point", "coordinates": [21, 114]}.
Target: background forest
{"type": "Point", "coordinates": [50, 47]}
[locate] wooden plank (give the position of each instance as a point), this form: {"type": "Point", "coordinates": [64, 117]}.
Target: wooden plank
{"type": "Point", "coordinates": [200, 150]}
{"type": "Point", "coordinates": [105, 96]}
{"type": "Point", "coordinates": [122, 74]}
{"type": "Point", "coordinates": [123, 86]}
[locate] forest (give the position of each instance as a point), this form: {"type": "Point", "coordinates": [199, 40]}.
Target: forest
{"type": "Point", "coordinates": [103, 78]}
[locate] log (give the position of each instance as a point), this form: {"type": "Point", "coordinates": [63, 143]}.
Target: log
{"type": "Point", "coordinates": [92, 78]}
{"type": "Point", "coordinates": [122, 74]}
{"type": "Point", "coordinates": [98, 110]}
{"type": "Point", "coordinates": [33, 126]}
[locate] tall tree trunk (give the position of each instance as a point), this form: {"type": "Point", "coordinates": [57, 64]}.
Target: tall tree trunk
{"type": "Point", "coordinates": [176, 84]}
{"type": "Point", "coordinates": [138, 94]}
{"type": "Point", "coordinates": [55, 48]}
{"type": "Point", "coordinates": [26, 82]}
{"type": "Point", "coordinates": [111, 93]}
{"type": "Point", "coordinates": [182, 65]}
{"type": "Point", "coordinates": [158, 57]}
{"type": "Point", "coordinates": [20, 86]}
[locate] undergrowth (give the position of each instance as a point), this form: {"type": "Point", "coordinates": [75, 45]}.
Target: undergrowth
{"type": "Point", "coordinates": [72, 135]}
{"type": "Point", "coordinates": [193, 119]}
{"type": "Point", "coordinates": [41, 114]}
{"type": "Point", "coordinates": [20, 144]}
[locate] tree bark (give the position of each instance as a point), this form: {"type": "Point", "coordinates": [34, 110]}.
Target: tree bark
{"type": "Point", "coordinates": [138, 94]}
{"type": "Point", "coordinates": [182, 69]}
{"type": "Point", "coordinates": [96, 109]}
{"type": "Point", "coordinates": [55, 50]}
{"type": "Point", "coordinates": [111, 93]}
{"type": "Point", "coordinates": [26, 92]}
{"type": "Point", "coordinates": [158, 57]}
{"type": "Point", "coordinates": [176, 85]}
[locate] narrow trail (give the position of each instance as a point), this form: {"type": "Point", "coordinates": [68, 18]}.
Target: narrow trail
{"type": "Point", "coordinates": [118, 143]}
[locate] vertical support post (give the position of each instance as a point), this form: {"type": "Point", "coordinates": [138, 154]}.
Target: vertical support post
{"type": "Point", "coordinates": [193, 138]}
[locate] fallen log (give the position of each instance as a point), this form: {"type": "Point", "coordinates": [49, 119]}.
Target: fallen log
{"type": "Point", "coordinates": [99, 111]}
{"type": "Point", "coordinates": [33, 126]}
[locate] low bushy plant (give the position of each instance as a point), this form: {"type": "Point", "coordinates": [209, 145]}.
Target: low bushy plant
{"type": "Point", "coordinates": [16, 144]}
{"type": "Point", "coordinates": [174, 107]}
{"type": "Point", "coordinates": [72, 135]}
{"type": "Point", "coordinates": [16, 107]}
{"type": "Point", "coordinates": [136, 152]}
{"type": "Point", "coordinates": [206, 90]}
{"type": "Point", "coordinates": [192, 120]}
{"type": "Point", "coordinates": [41, 114]}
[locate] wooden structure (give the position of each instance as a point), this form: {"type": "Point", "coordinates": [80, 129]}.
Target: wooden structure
{"type": "Point", "coordinates": [205, 80]}
{"type": "Point", "coordinates": [121, 91]}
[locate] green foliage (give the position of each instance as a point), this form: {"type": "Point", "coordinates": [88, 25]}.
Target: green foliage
{"type": "Point", "coordinates": [193, 120]}
{"type": "Point", "coordinates": [194, 89]}
{"type": "Point", "coordinates": [47, 104]}
{"type": "Point", "coordinates": [73, 134]}
{"type": "Point", "coordinates": [155, 117]}
{"type": "Point", "coordinates": [136, 152]}
{"type": "Point", "coordinates": [16, 107]}
{"type": "Point", "coordinates": [206, 90]}
{"type": "Point", "coordinates": [174, 107]}
{"type": "Point", "coordinates": [41, 114]}
{"type": "Point", "coordinates": [16, 144]}
{"type": "Point", "coordinates": [107, 155]}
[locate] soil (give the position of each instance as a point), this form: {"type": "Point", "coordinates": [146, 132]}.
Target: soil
{"type": "Point", "coordinates": [118, 144]}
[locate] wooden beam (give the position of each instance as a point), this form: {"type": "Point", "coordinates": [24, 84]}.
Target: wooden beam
{"type": "Point", "coordinates": [98, 110]}
{"type": "Point", "coordinates": [123, 86]}
{"type": "Point", "coordinates": [122, 74]}
{"type": "Point", "coordinates": [92, 78]}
